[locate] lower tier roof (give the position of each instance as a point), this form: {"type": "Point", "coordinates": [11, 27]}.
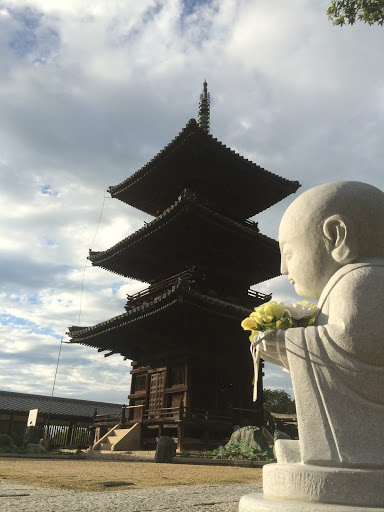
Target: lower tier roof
{"type": "Point", "coordinates": [178, 321]}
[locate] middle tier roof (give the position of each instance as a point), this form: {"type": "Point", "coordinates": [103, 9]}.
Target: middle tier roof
{"type": "Point", "coordinates": [191, 233]}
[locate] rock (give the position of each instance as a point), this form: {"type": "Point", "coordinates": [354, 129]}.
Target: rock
{"type": "Point", "coordinates": [278, 434]}
{"type": "Point", "coordinates": [45, 443]}
{"type": "Point", "coordinates": [165, 450]}
{"type": "Point", "coordinates": [6, 441]}
{"type": "Point", "coordinates": [252, 436]}
{"type": "Point", "coordinates": [35, 448]}
{"type": "Point", "coordinates": [32, 435]}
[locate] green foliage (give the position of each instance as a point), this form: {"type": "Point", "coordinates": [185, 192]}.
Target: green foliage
{"type": "Point", "coordinates": [240, 451]}
{"type": "Point", "coordinates": [369, 11]}
{"type": "Point", "coordinates": [5, 440]}
{"type": "Point", "coordinates": [209, 453]}
{"type": "Point", "coordinates": [277, 400]}
{"type": "Point", "coordinates": [17, 449]}
{"type": "Point", "coordinates": [185, 454]}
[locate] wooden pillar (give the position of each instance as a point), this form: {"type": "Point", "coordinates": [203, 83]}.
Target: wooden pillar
{"type": "Point", "coordinates": [122, 418]}
{"type": "Point", "coordinates": [180, 437]}
{"type": "Point", "coordinates": [181, 410]}
{"type": "Point", "coordinates": [91, 436]}
{"type": "Point", "coordinates": [10, 424]}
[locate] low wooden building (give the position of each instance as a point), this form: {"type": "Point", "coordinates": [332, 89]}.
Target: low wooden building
{"type": "Point", "coordinates": [67, 420]}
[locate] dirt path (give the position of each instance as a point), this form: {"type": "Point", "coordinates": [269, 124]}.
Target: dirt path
{"type": "Point", "coordinates": [89, 475]}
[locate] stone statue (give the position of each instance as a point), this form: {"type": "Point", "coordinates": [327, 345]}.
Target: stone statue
{"type": "Point", "coordinates": [332, 250]}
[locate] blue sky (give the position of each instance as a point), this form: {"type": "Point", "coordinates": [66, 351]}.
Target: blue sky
{"type": "Point", "coordinates": [91, 91]}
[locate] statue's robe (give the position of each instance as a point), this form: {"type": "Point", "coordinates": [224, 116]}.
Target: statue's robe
{"type": "Point", "coordinates": [337, 369]}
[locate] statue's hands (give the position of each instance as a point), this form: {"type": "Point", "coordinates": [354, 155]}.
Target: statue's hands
{"type": "Point", "coordinates": [272, 347]}
{"type": "Point", "coordinates": [262, 337]}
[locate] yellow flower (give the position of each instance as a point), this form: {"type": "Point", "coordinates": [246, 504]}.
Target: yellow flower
{"type": "Point", "coordinates": [248, 324]}
{"type": "Point", "coordinates": [283, 324]}
{"type": "Point", "coordinates": [269, 313]}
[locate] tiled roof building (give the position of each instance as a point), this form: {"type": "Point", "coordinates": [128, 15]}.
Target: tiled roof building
{"type": "Point", "coordinates": [13, 402]}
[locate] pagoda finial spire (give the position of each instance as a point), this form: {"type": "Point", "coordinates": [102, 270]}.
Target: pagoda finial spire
{"type": "Point", "coordinates": [204, 102]}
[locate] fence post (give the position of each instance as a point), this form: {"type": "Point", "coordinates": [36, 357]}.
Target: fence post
{"type": "Point", "coordinates": [91, 437]}
{"type": "Point", "coordinates": [68, 441]}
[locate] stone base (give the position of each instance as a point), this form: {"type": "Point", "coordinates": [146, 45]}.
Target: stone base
{"type": "Point", "coordinates": [258, 503]}
{"type": "Point", "coordinates": [342, 486]}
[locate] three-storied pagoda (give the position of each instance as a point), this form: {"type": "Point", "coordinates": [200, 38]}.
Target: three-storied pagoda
{"type": "Point", "coordinates": [192, 370]}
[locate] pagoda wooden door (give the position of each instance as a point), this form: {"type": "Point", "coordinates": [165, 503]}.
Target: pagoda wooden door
{"type": "Point", "coordinates": [156, 392]}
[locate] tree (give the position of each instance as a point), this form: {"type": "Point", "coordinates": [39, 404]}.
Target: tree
{"type": "Point", "coordinates": [278, 401]}
{"type": "Point", "coordinates": [369, 11]}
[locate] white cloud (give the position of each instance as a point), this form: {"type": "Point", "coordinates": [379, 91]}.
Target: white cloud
{"type": "Point", "coordinates": [92, 90]}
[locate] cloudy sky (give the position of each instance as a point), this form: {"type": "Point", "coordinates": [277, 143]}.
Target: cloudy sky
{"type": "Point", "coordinates": [90, 91]}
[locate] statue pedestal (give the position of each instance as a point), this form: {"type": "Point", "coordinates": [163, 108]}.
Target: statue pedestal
{"type": "Point", "coordinates": [257, 503]}
{"type": "Point", "coordinates": [299, 487]}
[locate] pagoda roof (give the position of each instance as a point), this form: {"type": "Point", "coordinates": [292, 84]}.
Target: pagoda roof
{"type": "Point", "coordinates": [198, 161]}
{"type": "Point", "coordinates": [190, 233]}
{"type": "Point", "coordinates": [162, 324]}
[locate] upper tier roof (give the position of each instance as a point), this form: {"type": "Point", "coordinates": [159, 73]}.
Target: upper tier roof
{"type": "Point", "coordinates": [189, 233]}
{"type": "Point", "coordinates": [198, 161]}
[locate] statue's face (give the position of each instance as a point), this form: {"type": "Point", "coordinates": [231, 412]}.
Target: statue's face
{"type": "Point", "coordinates": [304, 255]}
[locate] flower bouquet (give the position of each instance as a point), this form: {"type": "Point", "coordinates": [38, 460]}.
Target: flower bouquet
{"type": "Point", "coordinates": [268, 318]}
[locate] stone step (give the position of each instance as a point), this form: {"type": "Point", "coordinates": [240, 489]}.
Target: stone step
{"type": "Point", "coordinates": [118, 432]}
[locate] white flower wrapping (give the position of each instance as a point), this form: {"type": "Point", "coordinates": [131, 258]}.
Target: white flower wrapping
{"type": "Point", "coordinates": [256, 356]}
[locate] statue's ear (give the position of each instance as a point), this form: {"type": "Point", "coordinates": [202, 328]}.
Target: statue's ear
{"type": "Point", "coordinates": [339, 240]}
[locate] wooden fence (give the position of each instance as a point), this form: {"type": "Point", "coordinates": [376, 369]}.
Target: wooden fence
{"type": "Point", "coordinates": [59, 435]}
{"type": "Point", "coordinates": [15, 429]}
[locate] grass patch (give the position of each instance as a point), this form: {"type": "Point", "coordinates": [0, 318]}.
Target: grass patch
{"type": "Point", "coordinates": [89, 475]}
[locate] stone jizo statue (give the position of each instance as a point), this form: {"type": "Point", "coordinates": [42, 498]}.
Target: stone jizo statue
{"type": "Point", "coordinates": [332, 250]}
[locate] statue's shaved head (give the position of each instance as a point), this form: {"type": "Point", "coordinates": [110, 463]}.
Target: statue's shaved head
{"type": "Point", "coordinates": [360, 204]}
{"type": "Point", "coordinates": [327, 227]}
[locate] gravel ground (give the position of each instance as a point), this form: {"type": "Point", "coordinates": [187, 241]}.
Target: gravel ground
{"type": "Point", "coordinates": [198, 498]}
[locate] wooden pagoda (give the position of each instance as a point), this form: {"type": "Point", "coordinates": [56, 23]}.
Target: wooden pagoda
{"type": "Point", "coordinates": [192, 370]}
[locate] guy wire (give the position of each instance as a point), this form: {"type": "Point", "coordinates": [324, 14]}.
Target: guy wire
{"type": "Point", "coordinates": [54, 383]}
{"type": "Point", "coordinates": [85, 264]}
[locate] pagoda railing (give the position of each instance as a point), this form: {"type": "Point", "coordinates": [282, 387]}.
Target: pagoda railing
{"type": "Point", "coordinates": [165, 413]}
{"type": "Point", "coordinates": [201, 415]}
{"type": "Point", "coordinates": [188, 276]}
{"type": "Point", "coordinates": [182, 413]}
{"type": "Point", "coordinates": [260, 296]}
{"type": "Point", "coordinates": [175, 414]}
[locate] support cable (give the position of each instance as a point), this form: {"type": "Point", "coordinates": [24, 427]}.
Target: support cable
{"type": "Point", "coordinates": [54, 383]}
{"type": "Point", "coordinates": [62, 335]}
{"type": "Point", "coordinates": [85, 265]}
